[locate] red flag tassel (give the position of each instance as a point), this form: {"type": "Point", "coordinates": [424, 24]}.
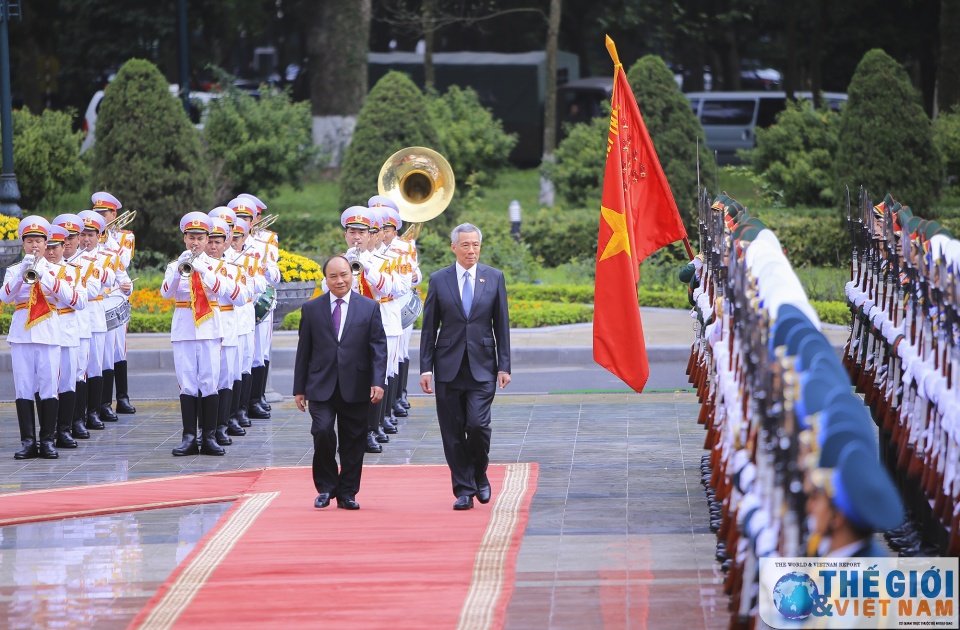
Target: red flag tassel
{"type": "Point", "coordinates": [39, 309]}
{"type": "Point", "coordinates": [199, 304]}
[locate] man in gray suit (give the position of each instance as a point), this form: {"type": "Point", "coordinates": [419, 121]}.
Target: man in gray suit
{"type": "Point", "coordinates": [465, 338]}
{"type": "Point", "coordinates": [340, 369]}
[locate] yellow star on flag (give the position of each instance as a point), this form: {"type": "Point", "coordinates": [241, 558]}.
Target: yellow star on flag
{"type": "Point", "coordinates": [619, 240]}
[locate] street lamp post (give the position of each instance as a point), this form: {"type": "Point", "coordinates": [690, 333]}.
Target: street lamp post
{"type": "Point", "coordinates": [9, 191]}
{"type": "Point", "coordinates": [513, 212]}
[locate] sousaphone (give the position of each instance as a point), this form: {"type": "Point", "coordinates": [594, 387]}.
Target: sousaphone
{"type": "Point", "coordinates": [420, 181]}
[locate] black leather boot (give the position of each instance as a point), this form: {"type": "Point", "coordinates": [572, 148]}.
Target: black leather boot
{"type": "Point", "coordinates": [389, 419]}
{"type": "Point", "coordinates": [255, 410]}
{"type": "Point", "coordinates": [372, 445]}
{"type": "Point", "coordinates": [229, 401]}
{"type": "Point", "coordinates": [404, 373]}
{"type": "Point", "coordinates": [246, 384]}
{"type": "Point", "coordinates": [374, 419]}
{"type": "Point", "coordinates": [48, 428]}
{"type": "Point", "coordinates": [223, 417]}
{"type": "Point", "coordinates": [106, 398]}
{"type": "Point", "coordinates": [94, 389]}
{"type": "Point", "coordinates": [397, 410]}
{"type": "Point", "coordinates": [65, 420]}
{"type": "Point", "coordinates": [263, 391]}
{"type": "Point", "coordinates": [79, 411]}
{"type": "Point", "coordinates": [28, 430]}
{"type": "Point", "coordinates": [210, 407]}
{"type": "Point", "coordinates": [123, 395]}
{"type": "Point", "coordinates": [188, 413]}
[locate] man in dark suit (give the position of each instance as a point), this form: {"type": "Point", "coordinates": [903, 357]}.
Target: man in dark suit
{"type": "Point", "coordinates": [465, 339]}
{"type": "Point", "coordinates": [340, 368]}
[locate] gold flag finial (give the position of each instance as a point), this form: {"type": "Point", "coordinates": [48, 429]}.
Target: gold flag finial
{"type": "Point", "coordinates": [612, 49]}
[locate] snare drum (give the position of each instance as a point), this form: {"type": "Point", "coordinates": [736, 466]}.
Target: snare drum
{"type": "Point", "coordinates": [117, 310]}
{"type": "Point", "coordinates": [411, 309]}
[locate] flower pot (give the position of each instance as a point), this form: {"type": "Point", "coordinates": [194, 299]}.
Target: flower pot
{"type": "Point", "coordinates": [290, 297]}
{"type": "Point", "coordinates": [10, 251]}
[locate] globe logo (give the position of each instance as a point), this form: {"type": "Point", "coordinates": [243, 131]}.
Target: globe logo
{"type": "Point", "coordinates": [794, 595]}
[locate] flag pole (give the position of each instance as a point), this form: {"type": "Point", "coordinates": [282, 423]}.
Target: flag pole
{"type": "Point", "coordinates": [617, 66]}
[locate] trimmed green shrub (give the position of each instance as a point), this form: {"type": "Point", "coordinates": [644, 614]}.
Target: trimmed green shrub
{"type": "Point", "coordinates": [674, 129]}
{"type": "Point", "coordinates": [150, 322]}
{"type": "Point", "coordinates": [392, 117]}
{"type": "Point", "coordinates": [561, 238]}
{"type": "Point", "coordinates": [811, 240]}
{"type": "Point", "coordinates": [832, 312]}
{"type": "Point", "coordinates": [566, 293]}
{"type": "Point", "coordinates": [526, 314]}
{"type": "Point", "coordinates": [257, 144]}
{"type": "Point", "coordinates": [5, 319]}
{"type": "Point", "coordinates": [577, 170]}
{"type": "Point", "coordinates": [473, 140]}
{"type": "Point", "coordinates": [148, 154]}
{"type": "Point", "coordinates": [886, 139]}
{"type": "Point", "coordinates": [664, 299]}
{"type": "Point", "coordinates": [46, 154]}
{"type": "Point", "coordinates": [946, 134]}
{"type": "Point", "coordinates": [794, 157]}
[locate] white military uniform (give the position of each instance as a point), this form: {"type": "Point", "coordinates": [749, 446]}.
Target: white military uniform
{"type": "Point", "coordinates": [121, 253]}
{"type": "Point", "coordinates": [104, 274]}
{"type": "Point", "coordinates": [266, 250]}
{"type": "Point", "coordinates": [70, 326]}
{"type": "Point", "coordinates": [256, 284]}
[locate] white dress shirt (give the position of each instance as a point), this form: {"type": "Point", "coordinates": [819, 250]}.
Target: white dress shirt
{"type": "Point", "coordinates": [461, 276]}
{"type": "Point", "coordinates": [343, 310]}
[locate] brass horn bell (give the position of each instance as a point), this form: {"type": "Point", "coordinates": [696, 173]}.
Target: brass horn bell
{"type": "Point", "coordinates": [420, 181]}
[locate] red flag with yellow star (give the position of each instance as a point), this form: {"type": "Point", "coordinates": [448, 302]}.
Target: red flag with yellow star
{"type": "Point", "coordinates": [638, 216]}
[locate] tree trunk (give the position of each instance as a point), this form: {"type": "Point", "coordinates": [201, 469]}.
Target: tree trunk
{"type": "Point", "coordinates": [339, 43]}
{"type": "Point", "coordinates": [948, 73]}
{"type": "Point", "coordinates": [791, 72]}
{"type": "Point", "coordinates": [429, 77]}
{"type": "Point", "coordinates": [821, 11]}
{"type": "Point", "coordinates": [550, 103]}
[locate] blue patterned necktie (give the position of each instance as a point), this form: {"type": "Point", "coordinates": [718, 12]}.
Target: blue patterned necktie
{"type": "Point", "coordinates": [467, 296]}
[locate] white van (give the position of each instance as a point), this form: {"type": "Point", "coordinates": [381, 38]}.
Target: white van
{"type": "Point", "coordinates": [730, 119]}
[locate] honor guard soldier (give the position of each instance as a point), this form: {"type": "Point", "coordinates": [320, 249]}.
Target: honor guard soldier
{"type": "Point", "coordinates": [35, 287]}
{"type": "Point", "coordinates": [69, 325]}
{"type": "Point", "coordinates": [89, 286]}
{"type": "Point", "coordinates": [102, 271]}
{"type": "Point", "coordinates": [229, 344]}
{"type": "Point", "coordinates": [369, 281]}
{"type": "Point", "coordinates": [120, 245]}
{"type": "Point", "coordinates": [269, 242]}
{"type": "Point", "coordinates": [194, 282]}
{"type": "Point", "coordinates": [247, 207]}
{"type": "Point", "coordinates": [242, 256]}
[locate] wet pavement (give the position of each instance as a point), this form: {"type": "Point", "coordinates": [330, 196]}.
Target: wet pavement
{"type": "Point", "coordinates": [617, 537]}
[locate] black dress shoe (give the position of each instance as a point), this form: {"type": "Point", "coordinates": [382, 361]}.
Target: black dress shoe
{"type": "Point", "coordinates": [399, 410]}
{"type": "Point", "coordinates": [65, 440]}
{"type": "Point", "coordinates": [389, 426]}
{"type": "Point", "coordinates": [483, 494]}
{"type": "Point", "coordinates": [463, 503]}
{"type": "Point", "coordinates": [404, 402]}
{"type": "Point", "coordinates": [233, 428]}
{"type": "Point", "coordinates": [79, 431]}
{"type": "Point", "coordinates": [93, 421]}
{"type": "Point", "coordinates": [322, 500]}
{"type": "Point", "coordinates": [347, 504]}
{"type": "Point", "coordinates": [124, 406]}
{"type": "Point", "coordinates": [257, 412]}
{"type": "Point", "coordinates": [372, 446]}
{"type": "Point", "coordinates": [381, 436]}
{"type": "Point", "coordinates": [221, 436]}
{"type": "Point", "coordinates": [107, 415]}
{"type": "Point", "coordinates": [242, 418]}
{"type": "Point", "coordinates": [265, 404]}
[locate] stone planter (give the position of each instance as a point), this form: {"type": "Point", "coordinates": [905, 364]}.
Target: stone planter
{"type": "Point", "coordinates": [290, 297]}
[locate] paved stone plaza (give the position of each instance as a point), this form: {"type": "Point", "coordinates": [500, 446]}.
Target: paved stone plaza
{"type": "Point", "coordinates": [618, 532]}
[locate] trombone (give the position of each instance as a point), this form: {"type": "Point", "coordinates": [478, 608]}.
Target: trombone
{"type": "Point", "coordinates": [263, 223]}
{"type": "Point", "coordinates": [121, 221]}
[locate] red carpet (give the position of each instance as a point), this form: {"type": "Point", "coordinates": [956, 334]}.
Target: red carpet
{"type": "Point", "coordinates": [404, 560]}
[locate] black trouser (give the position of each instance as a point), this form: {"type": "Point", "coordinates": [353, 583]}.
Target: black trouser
{"type": "Point", "coordinates": [351, 423]}
{"type": "Point", "coordinates": [463, 411]}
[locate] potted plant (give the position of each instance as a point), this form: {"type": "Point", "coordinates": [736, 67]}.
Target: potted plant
{"type": "Point", "coordinates": [299, 277]}
{"type": "Point", "coordinates": [10, 243]}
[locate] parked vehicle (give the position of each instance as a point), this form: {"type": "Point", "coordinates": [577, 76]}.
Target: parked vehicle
{"type": "Point", "coordinates": [198, 102]}
{"type": "Point", "coordinates": [729, 119]}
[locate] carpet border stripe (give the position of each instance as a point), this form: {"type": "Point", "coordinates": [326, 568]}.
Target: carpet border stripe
{"type": "Point", "coordinates": [480, 605]}
{"type": "Point", "coordinates": [195, 575]}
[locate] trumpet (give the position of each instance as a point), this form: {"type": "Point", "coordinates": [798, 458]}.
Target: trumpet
{"type": "Point", "coordinates": [32, 274]}
{"type": "Point", "coordinates": [353, 255]}
{"type": "Point", "coordinates": [121, 222]}
{"type": "Point", "coordinates": [186, 267]}
{"type": "Point", "coordinates": [263, 223]}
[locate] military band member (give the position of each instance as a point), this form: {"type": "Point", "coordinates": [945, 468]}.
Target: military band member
{"type": "Point", "coordinates": [248, 207]}
{"type": "Point", "coordinates": [102, 272]}
{"type": "Point", "coordinates": [89, 286]}
{"type": "Point", "coordinates": [243, 256]}
{"type": "Point", "coordinates": [69, 325]}
{"type": "Point", "coordinates": [35, 286]}
{"type": "Point", "coordinates": [120, 245]}
{"type": "Point", "coordinates": [229, 344]}
{"type": "Point", "coordinates": [269, 243]}
{"type": "Point", "coordinates": [194, 282]}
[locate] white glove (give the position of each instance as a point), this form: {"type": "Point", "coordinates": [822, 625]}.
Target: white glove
{"type": "Point", "coordinates": [187, 255]}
